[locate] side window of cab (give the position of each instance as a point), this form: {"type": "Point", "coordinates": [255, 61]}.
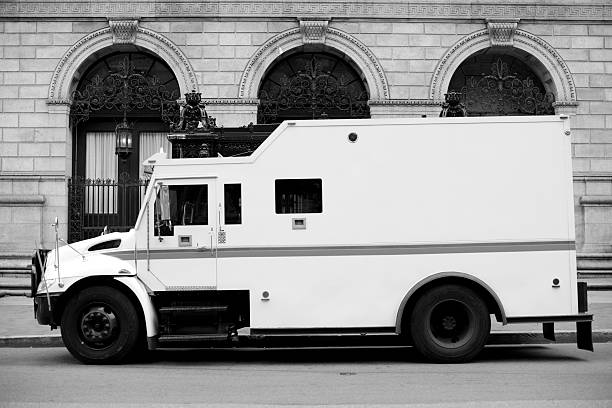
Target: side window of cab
{"type": "Point", "coordinates": [180, 205]}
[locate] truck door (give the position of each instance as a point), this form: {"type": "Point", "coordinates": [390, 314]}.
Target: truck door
{"type": "Point", "coordinates": [182, 240]}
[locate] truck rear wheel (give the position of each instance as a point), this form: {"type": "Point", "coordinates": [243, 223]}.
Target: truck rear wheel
{"type": "Point", "coordinates": [450, 324]}
{"type": "Point", "coordinates": [100, 326]}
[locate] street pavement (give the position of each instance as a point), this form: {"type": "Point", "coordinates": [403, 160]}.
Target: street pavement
{"type": "Point", "coordinates": [528, 376]}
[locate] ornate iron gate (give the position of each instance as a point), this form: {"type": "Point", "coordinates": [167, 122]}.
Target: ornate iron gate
{"type": "Point", "coordinates": [94, 204]}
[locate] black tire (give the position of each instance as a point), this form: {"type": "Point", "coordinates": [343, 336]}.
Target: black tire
{"type": "Point", "coordinates": [450, 324]}
{"type": "Point", "coordinates": [100, 326]}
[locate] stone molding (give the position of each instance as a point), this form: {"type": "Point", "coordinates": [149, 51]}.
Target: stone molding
{"type": "Point", "coordinates": [313, 30]}
{"type": "Point", "coordinates": [275, 47]}
{"type": "Point", "coordinates": [402, 108]}
{"type": "Point", "coordinates": [20, 176]}
{"type": "Point", "coordinates": [596, 201]}
{"type": "Point", "coordinates": [411, 102]}
{"type": "Point", "coordinates": [397, 9]}
{"type": "Point", "coordinates": [565, 107]}
{"type": "Point", "coordinates": [501, 31]}
{"type": "Point", "coordinates": [592, 177]}
{"type": "Point", "coordinates": [123, 29]}
{"type": "Point", "coordinates": [230, 101]}
{"type": "Point", "coordinates": [532, 44]}
{"type": "Point", "coordinates": [61, 87]}
{"type": "Point", "coordinates": [21, 200]}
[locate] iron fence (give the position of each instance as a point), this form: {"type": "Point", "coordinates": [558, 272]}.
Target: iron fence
{"type": "Point", "coordinates": [97, 203]}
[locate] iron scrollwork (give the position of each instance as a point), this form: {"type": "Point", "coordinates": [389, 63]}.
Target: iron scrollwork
{"type": "Point", "coordinates": [125, 91]}
{"type": "Point", "coordinates": [503, 93]}
{"type": "Point", "coordinates": [313, 93]}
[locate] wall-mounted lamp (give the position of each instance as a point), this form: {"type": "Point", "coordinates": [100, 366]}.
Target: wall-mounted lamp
{"type": "Point", "coordinates": [123, 142]}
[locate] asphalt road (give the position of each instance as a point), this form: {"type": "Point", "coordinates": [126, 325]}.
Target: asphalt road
{"type": "Point", "coordinates": [503, 376]}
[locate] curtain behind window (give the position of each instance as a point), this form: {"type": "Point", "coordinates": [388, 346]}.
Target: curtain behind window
{"type": "Point", "coordinates": [150, 143]}
{"type": "Point", "coordinates": [100, 164]}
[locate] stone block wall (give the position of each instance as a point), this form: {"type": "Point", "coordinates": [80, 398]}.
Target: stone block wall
{"type": "Point", "coordinates": [35, 140]}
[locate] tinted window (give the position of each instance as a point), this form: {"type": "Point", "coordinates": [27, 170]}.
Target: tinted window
{"type": "Point", "coordinates": [233, 204]}
{"type": "Point", "coordinates": [188, 206]}
{"type": "Point", "coordinates": [298, 196]}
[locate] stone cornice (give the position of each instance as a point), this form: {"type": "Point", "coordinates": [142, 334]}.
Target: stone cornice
{"type": "Point", "coordinates": [460, 9]}
{"type": "Point", "coordinates": [230, 101]}
{"type": "Point", "coordinates": [21, 200]}
{"type": "Point", "coordinates": [592, 177]}
{"type": "Point", "coordinates": [404, 102]}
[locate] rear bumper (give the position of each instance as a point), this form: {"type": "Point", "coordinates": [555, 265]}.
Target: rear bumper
{"type": "Point", "coordinates": [580, 317]}
{"type": "Point", "coordinates": [584, 330]}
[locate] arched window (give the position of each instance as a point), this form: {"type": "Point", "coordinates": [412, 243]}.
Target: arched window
{"type": "Point", "coordinates": [495, 83]}
{"type": "Point", "coordinates": [134, 85]}
{"type": "Point", "coordinates": [125, 86]}
{"type": "Point", "coordinates": [312, 85]}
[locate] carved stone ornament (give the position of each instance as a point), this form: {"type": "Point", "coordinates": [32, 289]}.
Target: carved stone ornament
{"type": "Point", "coordinates": [193, 116]}
{"type": "Point", "coordinates": [452, 106]}
{"type": "Point", "coordinates": [124, 30]}
{"type": "Point", "coordinates": [501, 31]}
{"type": "Point", "coordinates": [313, 31]}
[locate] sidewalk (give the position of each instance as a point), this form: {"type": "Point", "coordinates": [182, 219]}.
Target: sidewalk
{"type": "Point", "coordinates": [18, 327]}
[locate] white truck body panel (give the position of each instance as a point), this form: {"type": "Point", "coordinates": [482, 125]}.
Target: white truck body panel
{"type": "Point", "coordinates": [415, 186]}
{"type": "Point", "coordinates": [487, 198]}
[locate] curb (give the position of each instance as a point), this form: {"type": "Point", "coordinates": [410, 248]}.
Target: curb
{"type": "Point", "coordinates": [495, 338]}
{"type": "Point", "coordinates": [31, 341]}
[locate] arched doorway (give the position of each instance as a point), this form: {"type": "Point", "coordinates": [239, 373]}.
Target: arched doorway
{"type": "Point", "coordinates": [500, 83]}
{"type": "Point", "coordinates": [312, 85]}
{"type": "Point", "coordinates": [128, 86]}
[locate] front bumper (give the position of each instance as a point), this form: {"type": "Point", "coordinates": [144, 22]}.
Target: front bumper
{"type": "Point", "coordinates": [44, 314]}
{"type": "Point", "coordinates": [39, 260]}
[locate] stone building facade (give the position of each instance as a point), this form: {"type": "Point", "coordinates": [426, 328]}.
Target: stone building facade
{"type": "Point", "coordinates": [405, 55]}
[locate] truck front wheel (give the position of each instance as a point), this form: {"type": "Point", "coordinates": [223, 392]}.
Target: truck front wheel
{"type": "Point", "coordinates": [100, 326]}
{"type": "Point", "coordinates": [450, 324]}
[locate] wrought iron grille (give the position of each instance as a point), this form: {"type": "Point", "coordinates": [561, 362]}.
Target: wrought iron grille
{"type": "Point", "coordinates": [122, 87]}
{"type": "Point", "coordinates": [95, 204]}
{"type": "Point", "coordinates": [502, 92]}
{"type": "Point", "coordinates": [312, 86]}
{"type": "Point", "coordinates": [145, 89]}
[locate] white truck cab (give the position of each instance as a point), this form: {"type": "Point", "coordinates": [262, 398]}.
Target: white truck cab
{"type": "Point", "coordinates": [417, 229]}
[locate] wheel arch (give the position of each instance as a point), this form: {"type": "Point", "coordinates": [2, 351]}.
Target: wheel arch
{"type": "Point", "coordinates": [487, 294]}
{"type": "Point", "coordinates": [108, 281]}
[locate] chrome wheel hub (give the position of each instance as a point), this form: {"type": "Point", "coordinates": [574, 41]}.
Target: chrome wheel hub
{"type": "Point", "coordinates": [99, 325]}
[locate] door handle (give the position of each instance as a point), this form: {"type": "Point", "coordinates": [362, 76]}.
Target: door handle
{"type": "Point", "coordinates": [212, 251]}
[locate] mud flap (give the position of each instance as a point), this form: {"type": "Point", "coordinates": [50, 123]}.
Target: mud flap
{"type": "Point", "coordinates": [584, 333]}
{"type": "Point", "coordinates": [584, 336]}
{"type": "Point", "coordinates": [548, 329]}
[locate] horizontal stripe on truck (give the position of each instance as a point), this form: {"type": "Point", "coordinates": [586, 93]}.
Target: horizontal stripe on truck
{"type": "Point", "coordinates": [353, 250]}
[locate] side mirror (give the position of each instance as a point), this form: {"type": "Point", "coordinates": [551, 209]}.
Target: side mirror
{"type": "Point", "coordinates": [164, 201]}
